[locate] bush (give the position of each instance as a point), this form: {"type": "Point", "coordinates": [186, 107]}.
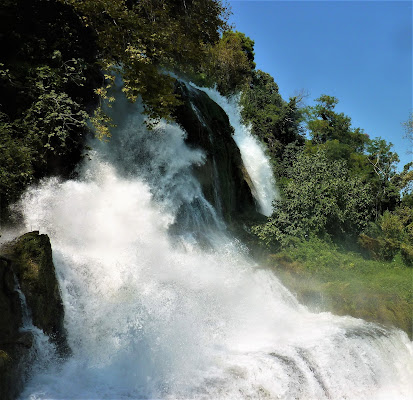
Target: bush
{"type": "Point", "coordinates": [320, 199]}
{"type": "Point", "coordinates": [391, 234]}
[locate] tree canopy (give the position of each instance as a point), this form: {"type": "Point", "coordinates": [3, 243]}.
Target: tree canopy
{"type": "Point", "coordinates": [320, 198]}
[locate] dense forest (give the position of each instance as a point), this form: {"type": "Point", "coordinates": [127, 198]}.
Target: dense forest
{"type": "Point", "coordinates": [345, 216]}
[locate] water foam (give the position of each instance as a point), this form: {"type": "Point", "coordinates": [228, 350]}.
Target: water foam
{"type": "Point", "coordinates": [148, 317]}
{"type": "Point", "coordinates": [252, 152]}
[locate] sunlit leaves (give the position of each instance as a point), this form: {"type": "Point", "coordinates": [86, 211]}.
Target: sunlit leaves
{"type": "Point", "coordinates": [320, 198]}
{"type": "Point", "coordinates": [140, 40]}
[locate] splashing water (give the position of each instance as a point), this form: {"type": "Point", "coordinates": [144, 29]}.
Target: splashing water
{"type": "Point", "coordinates": [252, 152]}
{"type": "Point", "coordinates": [151, 315]}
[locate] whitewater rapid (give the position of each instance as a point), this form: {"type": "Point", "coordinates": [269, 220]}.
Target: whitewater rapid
{"type": "Point", "coordinates": [153, 315]}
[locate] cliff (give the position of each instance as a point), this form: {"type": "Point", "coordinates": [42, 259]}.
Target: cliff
{"type": "Point", "coordinates": [224, 179]}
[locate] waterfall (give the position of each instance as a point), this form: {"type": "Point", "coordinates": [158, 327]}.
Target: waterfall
{"type": "Point", "coordinates": [151, 314]}
{"type": "Point", "coordinates": [252, 152]}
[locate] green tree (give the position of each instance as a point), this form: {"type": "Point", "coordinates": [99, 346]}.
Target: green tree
{"type": "Point", "coordinates": [325, 124]}
{"type": "Point", "coordinates": [16, 170]}
{"type": "Point", "coordinates": [229, 64]}
{"type": "Point", "coordinates": [320, 198]}
{"type": "Point", "coordinates": [275, 121]}
{"type": "Point", "coordinates": [139, 40]}
{"type": "Point", "coordinates": [390, 234]}
{"type": "Point", "coordinates": [383, 175]}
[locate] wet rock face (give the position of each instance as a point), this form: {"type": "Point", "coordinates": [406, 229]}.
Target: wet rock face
{"type": "Point", "coordinates": [31, 256]}
{"type": "Point", "coordinates": [10, 307]}
{"type": "Point", "coordinates": [224, 179]}
{"type": "Point", "coordinates": [26, 262]}
{"type": "Point", "coordinates": [14, 345]}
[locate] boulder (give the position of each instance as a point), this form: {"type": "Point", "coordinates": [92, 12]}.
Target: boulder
{"type": "Point", "coordinates": [26, 263]}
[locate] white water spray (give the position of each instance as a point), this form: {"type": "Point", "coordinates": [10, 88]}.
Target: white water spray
{"type": "Point", "coordinates": [252, 152]}
{"type": "Point", "coordinates": [150, 318]}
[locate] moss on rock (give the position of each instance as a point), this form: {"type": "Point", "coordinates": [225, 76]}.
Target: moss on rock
{"type": "Point", "coordinates": [27, 262]}
{"type": "Point", "coordinates": [31, 256]}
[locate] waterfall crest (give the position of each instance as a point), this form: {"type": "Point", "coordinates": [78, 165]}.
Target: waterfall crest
{"type": "Point", "coordinates": [152, 315]}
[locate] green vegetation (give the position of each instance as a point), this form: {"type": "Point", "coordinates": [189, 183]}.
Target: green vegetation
{"type": "Point", "coordinates": [59, 61]}
{"type": "Point", "coordinates": [320, 198]}
{"type": "Point", "coordinates": [229, 63]}
{"type": "Point", "coordinates": [47, 77]}
{"type": "Point", "coordinates": [273, 120]}
{"type": "Point", "coordinates": [330, 278]}
{"type": "Point", "coordinates": [340, 185]}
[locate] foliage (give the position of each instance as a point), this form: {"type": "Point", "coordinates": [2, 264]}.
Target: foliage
{"type": "Point", "coordinates": [390, 235]}
{"type": "Point", "coordinates": [47, 77]}
{"type": "Point", "coordinates": [371, 159]}
{"type": "Point", "coordinates": [139, 40]}
{"type": "Point", "coordinates": [231, 62]}
{"type": "Point", "coordinates": [273, 120]}
{"type": "Point", "coordinates": [53, 52]}
{"type": "Point", "coordinates": [16, 170]}
{"type": "Point", "coordinates": [328, 278]}
{"type": "Point", "coordinates": [325, 124]}
{"type": "Point", "coordinates": [320, 198]}
{"type": "Point", "coordinates": [382, 175]}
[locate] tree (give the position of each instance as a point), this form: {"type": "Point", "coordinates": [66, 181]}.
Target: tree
{"type": "Point", "coordinates": [408, 126]}
{"type": "Point", "coordinates": [383, 175]}
{"type": "Point", "coordinates": [324, 124]}
{"type": "Point", "coordinates": [139, 40]}
{"type": "Point", "coordinates": [229, 64]}
{"type": "Point", "coordinates": [320, 198]}
{"type": "Point", "coordinates": [390, 234]}
{"type": "Point", "coordinates": [275, 121]}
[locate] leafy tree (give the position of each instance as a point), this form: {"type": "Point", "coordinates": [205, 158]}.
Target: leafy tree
{"type": "Point", "coordinates": [383, 175]}
{"type": "Point", "coordinates": [16, 170]}
{"type": "Point", "coordinates": [371, 160]}
{"type": "Point", "coordinates": [228, 65]}
{"type": "Point", "coordinates": [275, 121]}
{"type": "Point", "coordinates": [321, 198]}
{"type": "Point", "coordinates": [138, 40]}
{"type": "Point", "coordinates": [324, 124]}
{"type": "Point", "coordinates": [47, 77]}
{"type": "Point", "coordinates": [390, 234]}
{"type": "Point", "coordinates": [408, 126]}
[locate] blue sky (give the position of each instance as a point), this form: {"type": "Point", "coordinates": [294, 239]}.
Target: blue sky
{"type": "Point", "coordinates": [358, 51]}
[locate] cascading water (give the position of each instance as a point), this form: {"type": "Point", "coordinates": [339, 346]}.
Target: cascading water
{"type": "Point", "coordinates": [252, 152]}
{"type": "Point", "coordinates": [152, 315]}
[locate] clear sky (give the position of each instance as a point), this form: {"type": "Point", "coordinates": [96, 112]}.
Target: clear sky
{"type": "Point", "coordinates": [357, 51]}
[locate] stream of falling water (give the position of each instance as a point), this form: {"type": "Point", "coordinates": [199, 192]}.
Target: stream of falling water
{"type": "Point", "coordinates": [151, 315]}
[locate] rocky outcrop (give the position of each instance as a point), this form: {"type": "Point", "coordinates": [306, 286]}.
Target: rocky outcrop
{"type": "Point", "coordinates": [14, 344]}
{"type": "Point", "coordinates": [31, 257]}
{"type": "Point", "coordinates": [224, 179]}
{"type": "Point", "coordinates": [26, 263]}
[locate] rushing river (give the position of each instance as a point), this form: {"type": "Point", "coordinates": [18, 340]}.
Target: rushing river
{"type": "Point", "coordinates": [154, 315]}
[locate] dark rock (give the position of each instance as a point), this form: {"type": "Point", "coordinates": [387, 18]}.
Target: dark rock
{"type": "Point", "coordinates": [31, 260]}
{"type": "Point", "coordinates": [224, 179]}
{"type": "Point", "coordinates": [14, 345]}
{"type": "Point", "coordinates": [27, 262]}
